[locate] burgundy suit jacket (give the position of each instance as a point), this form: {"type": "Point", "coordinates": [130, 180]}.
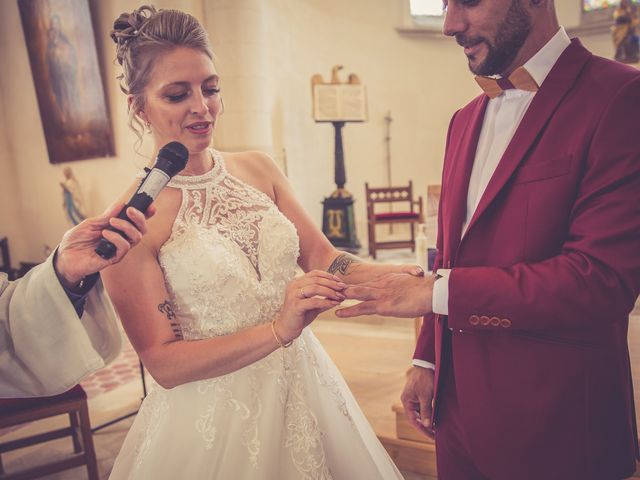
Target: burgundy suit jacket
{"type": "Point", "coordinates": [544, 279]}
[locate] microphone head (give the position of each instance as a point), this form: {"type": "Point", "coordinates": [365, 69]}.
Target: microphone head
{"type": "Point", "coordinates": [172, 158]}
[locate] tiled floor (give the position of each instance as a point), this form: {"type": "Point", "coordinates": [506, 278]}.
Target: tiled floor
{"type": "Point", "coordinates": [123, 370]}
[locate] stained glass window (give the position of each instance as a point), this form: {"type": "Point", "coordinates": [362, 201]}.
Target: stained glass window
{"type": "Point", "coordinates": [592, 5]}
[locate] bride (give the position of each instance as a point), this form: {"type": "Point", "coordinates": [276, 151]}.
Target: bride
{"type": "Point", "coordinates": [209, 300]}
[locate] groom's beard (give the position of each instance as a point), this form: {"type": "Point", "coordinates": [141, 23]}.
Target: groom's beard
{"type": "Point", "coordinates": [509, 39]}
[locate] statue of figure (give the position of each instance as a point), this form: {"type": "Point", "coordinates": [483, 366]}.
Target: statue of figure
{"type": "Point", "coordinates": [625, 39]}
{"type": "Point", "coordinates": [73, 203]}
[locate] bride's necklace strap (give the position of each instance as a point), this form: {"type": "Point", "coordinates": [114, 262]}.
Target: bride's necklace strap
{"type": "Point", "coordinates": [195, 181]}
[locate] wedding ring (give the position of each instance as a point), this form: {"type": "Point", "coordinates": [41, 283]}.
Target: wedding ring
{"type": "Point", "coordinates": [304, 295]}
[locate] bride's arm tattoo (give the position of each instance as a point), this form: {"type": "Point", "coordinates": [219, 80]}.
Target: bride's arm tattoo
{"type": "Point", "coordinates": [342, 263]}
{"type": "Point", "coordinates": [166, 308]}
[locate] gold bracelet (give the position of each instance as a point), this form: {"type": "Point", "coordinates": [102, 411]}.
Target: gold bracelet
{"type": "Point", "coordinates": [277, 337]}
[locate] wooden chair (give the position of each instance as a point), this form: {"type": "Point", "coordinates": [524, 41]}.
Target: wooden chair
{"type": "Point", "coordinates": [408, 211]}
{"type": "Point", "coordinates": [23, 410]}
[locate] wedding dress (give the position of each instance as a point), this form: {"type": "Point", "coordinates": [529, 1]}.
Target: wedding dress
{"type": "Point", "coordinates": [288, 416]}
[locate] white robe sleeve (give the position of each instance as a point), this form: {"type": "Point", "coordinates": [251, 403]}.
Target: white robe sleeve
{"type": "Point", "coordinates": [45, 349]}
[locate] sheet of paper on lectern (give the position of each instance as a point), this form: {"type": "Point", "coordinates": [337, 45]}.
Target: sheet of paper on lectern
{"type": "Point", "coordinates": [339, 103]}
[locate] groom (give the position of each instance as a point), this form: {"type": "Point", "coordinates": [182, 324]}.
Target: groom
{"type": "Point", "coordinates": [538, 259]}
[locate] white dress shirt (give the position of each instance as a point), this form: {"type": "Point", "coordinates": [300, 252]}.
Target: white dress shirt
{"type": "Point", "coordinates": [501, 120]}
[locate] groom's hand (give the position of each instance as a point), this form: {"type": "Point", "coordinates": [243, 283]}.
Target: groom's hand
{"type": "Point", "coordinates": [394, 295]}
{"type": "Point", "coordinates": [417, 399]}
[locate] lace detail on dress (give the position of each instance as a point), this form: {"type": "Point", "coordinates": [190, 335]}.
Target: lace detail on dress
{"type": "Point", "coordinates": [150, 414]}
{"type": "Point", "coordinates": [230, 255]}
{"type": "Point", "coordinates": [303, 436]}
{"type": "Point", "coordinates": [219, 390]}
{"type": "Point", "coordinates": [217, 199]}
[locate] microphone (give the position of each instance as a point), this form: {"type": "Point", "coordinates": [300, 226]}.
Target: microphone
{"type": "Point", "coordinates": [171, 159]}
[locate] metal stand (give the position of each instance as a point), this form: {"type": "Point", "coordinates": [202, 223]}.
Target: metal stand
{"type": "Point", "coordinates": [387, 141]}
{"type": "Point", "coordinates": [338, 218]}
{"type": "Point", "coordinates": [116, 420]}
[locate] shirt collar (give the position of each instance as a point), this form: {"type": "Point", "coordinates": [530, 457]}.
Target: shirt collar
{"type": "Point", "coordinates": [543, 61]}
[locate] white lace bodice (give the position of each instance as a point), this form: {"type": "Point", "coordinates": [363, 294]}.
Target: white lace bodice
{"type": "Point", "coordinates": [230, 254]}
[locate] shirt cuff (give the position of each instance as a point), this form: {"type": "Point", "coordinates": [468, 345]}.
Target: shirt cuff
{"type": "Point", "coordinates": [422, 363]}
{"type": "Point", "coordinates": [441, 292]}
{"type": "Point", "coordinates": [78, 296]}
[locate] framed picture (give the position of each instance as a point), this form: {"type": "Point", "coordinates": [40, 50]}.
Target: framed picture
{"type": "Point", "coordinates": [66, 75]}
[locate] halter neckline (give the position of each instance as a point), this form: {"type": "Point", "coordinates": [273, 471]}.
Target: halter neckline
{"type": "Point", "coordinates": [203, 178]}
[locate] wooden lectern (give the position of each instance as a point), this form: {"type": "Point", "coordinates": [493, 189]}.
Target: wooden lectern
{"type": "Point", "coordinates": [339, 103]}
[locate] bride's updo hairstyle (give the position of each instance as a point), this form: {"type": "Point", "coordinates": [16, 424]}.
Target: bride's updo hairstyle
{"type": "Point", "coordinates": [141, 37]}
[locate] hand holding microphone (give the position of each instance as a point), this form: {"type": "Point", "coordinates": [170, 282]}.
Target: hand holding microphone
{"type": "Point", "coordinates": [75, 258]}
{"type": "Point", "coordinates": [172, 158]}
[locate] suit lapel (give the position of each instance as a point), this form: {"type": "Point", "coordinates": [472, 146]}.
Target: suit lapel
{"type": "Point", "coordinates": [557, 84]}
{"type": "Point", "coordinates": [461, 172]}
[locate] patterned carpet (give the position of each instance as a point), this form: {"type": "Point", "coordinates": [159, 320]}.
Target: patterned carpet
{"type": "Point", "coordinates": [123, 370]}
{"type": "Point", "coordinates": [113, 393]}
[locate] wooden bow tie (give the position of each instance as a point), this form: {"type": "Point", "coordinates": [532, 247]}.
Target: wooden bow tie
{"type": "Point", "coordinates": [520, 79]}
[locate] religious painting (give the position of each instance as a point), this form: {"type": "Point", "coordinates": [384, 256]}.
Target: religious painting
{"type": "Point", "coordinates": [66, 75]}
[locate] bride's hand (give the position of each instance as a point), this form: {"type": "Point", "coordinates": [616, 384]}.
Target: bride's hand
{"type": "Point", "coordinates": [305, 298]}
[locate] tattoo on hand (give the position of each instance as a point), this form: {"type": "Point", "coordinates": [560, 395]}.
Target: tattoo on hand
{"type": "Point", "coordinates": [166, 308]}
{"type": "Point", "coordinates": [342, 263]}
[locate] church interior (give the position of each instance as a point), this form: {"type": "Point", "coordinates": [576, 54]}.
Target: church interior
{"type": "Point", "coordinates": [267, 53]}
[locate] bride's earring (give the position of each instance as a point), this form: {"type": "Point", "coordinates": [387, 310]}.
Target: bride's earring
{"type": "Point", "coordinates": [145, 121]}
